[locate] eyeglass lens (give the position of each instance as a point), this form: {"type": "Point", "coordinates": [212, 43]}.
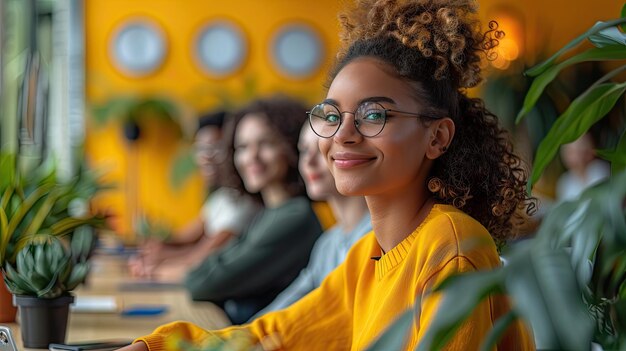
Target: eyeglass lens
{"type": "Point", "coordinates": [369, 119]}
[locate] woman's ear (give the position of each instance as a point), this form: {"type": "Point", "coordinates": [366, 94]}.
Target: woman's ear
{"type": "Point", "coordinates": [442, 133]}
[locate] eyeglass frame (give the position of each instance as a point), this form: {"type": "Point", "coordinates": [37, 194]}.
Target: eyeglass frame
{"type": "Point", "coordinates": [215, 152]}
{"type": "Point", "coordinates": [341, 118]}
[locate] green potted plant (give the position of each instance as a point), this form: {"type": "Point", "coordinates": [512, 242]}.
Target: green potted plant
{"type": "Point", "coordinates": [46, 270]}
{"type": "Point", "coordinates": [46, 232]}
{"type": "Point", "coordinates": [568, 281]}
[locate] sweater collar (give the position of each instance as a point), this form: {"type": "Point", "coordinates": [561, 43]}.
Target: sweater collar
{"type": "Point", "coordinates": [395, 256]}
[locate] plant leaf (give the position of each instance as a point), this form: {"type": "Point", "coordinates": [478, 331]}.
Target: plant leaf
{"type": "Point", "coordinates": [7, 169]}
{"type": "Point", "coordinates": [41, 214]}
{"type": "Point", "coordinates": [607, 37]}
{"type": "Point", "coordinates": [77, 276]}
{"type": "Point", "coordinates": [582, 113]}
{"type": "Point", "coordinates": [15, 282]}
{"type": "Point", "coordinates": [3, 233]}
{"type": "Point", "coordinates": [183, 166]}
{"type": "Point", "coordinates": [23, 209]}
{"type": "Point", "coordinates": [542, 283]}
{"type": "Point", "coordinates": [81, 243]}
{"type": "Point", "coordinates": [540, 68]}
{"type": "Point", "coordinates": [616, 52]}
{"type": "Point", "coordinates": [6, 196]}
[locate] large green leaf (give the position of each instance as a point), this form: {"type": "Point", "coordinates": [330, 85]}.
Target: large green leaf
{"type": "Point", "coordinates": [616, 52]}
{"type": "Point", "coordinates": [543, 285]}
{"type": "Point", "coordinates": [540, 68]}
{"type": "Point", "coordinates": [395, 336]}
{"type": "Point", "coordinates": [461, 294]}
{"type": "Point", "coordinates": [582, 113]}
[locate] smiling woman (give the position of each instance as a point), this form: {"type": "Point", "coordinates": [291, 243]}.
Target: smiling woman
{"type": "Point", "coordinates": [442, 176]}
{"type": "Point", "coordinates": [247, 275]}
{"type": "Point", "coordinates": [261, 157]}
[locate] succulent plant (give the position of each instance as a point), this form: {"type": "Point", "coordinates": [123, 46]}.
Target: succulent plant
{"type": "Point", "coordinates": [46, 228]}
{"type": "Point", "coordinates": [48, 267]}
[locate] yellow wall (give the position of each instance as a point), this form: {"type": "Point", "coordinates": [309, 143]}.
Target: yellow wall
{"type": "Point", "coordinates": [179, 78]}
{"type": "Point", "coordinates": [545, 24]}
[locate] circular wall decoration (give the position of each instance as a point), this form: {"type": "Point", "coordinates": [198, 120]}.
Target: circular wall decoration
{"type": "Point", "coordinates": [220, 48]}
{"type": "Point", "coordinates": [139, 47]}
{"type": "Point", "coordinates": [297, 50]}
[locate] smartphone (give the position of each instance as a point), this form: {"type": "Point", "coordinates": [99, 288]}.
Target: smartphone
{"type": "Point", "coordinates": [90, 345]}
{"type": "Point", "coordinates": [7, 343]}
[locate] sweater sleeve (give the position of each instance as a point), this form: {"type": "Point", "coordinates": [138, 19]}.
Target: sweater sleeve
{"type": "Point", "coordinates": [273, 250]}
{"type": "Point", "coordinates": [322, 320]}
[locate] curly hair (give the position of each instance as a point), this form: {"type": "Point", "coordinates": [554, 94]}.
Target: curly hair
{"type": "Point", "coordinates": [436, 47]}
{"type": "Point", "coordinates": [283, 115]}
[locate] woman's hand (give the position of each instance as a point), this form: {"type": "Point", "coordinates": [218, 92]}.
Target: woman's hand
{"type": "Point", "coordinates": [145, 262]}
{"type": "Point", "coordinates": [138, 346]}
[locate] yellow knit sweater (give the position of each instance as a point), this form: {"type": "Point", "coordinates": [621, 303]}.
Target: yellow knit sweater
{"type": "Point", "coordinates": [363, 296]}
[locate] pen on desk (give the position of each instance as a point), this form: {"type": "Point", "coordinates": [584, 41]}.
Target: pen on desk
{"type": "Point", "coordinates": [144, 310]}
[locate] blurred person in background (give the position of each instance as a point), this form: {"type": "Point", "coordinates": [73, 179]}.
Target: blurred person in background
{"type": "Point", "coordinates": [353, 221]}
{"type": "Point", "coordinates": [583, 168]}
{"type": "Point", "coordinates": [250, 272]}
{"type": "Point", "coordinates": [224, 215]}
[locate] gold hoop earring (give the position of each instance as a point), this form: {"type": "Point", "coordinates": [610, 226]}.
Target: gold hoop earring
{"type": "Point", "coordinates": [434, 185]}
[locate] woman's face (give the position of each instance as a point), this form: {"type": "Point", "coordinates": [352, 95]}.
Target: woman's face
{"type": "Point", "coordinates": [260, 154]}
{"type": "Point", "coordinates": [209, 154]}
{"type": "Point", "coordinates": [320, 184]}
{"type": "Point", "coordinates": [395, 160]}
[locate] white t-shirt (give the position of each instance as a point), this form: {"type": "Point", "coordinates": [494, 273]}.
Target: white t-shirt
{"type": "Point", "coordinates": [226, 209]}
{"type": "Point", "coordinates": [570, 186]}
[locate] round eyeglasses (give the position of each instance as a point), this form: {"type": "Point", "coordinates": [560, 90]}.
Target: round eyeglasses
{"type": "Point", "coordinates": [210, 151]}
{"type": "Point", "coordinates": [369, 118]}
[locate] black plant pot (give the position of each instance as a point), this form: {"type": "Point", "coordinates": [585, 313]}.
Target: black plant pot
{"type": "Point", "coordinates": [42, 321]}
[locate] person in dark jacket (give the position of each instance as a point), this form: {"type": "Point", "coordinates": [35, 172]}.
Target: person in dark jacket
{"type": "Point", "coordinates": [249, 273]}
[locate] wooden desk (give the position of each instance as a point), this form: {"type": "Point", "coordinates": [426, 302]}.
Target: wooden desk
{"type": "Point", "coordinates": [105, 278]}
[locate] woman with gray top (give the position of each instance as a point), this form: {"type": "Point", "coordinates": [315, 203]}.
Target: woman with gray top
{"type": "Point", "coordinates": [353, 222]}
